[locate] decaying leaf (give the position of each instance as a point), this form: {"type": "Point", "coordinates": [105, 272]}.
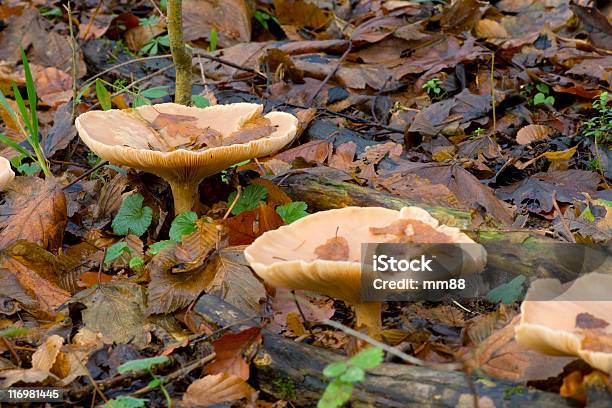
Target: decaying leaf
{"type": "Point", "coordinates": [334, 249]}
{"type": "Point", "coordinates": [214, 389]}
{"type": "Point", "coordinates": [533, 133]}
{"type": "Point", "coordinates": [35, 211]}
{"type": "Point", "coordinates": [230, 349]}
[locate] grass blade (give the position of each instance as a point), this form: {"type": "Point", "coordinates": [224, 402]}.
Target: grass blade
{"type": "Point", "coordinates": [16, 146]}
{"type": "Point", "coordinates": [22, 107]}
{"type": "Point", "coordinates": [31, 88]}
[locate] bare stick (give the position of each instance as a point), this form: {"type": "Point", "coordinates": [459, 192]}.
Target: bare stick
{"type": "Point", "coordinates": [332, 72]}
{"type": "Point", "coordinates": [180, 54]}
{"type": "Point", "coordinates": [74, 61]}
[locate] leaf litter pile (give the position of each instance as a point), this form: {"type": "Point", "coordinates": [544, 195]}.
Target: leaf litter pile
{"type": "Point", "coordinates": [498, 113]}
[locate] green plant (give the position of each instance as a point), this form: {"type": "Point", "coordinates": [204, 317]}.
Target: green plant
{"type": "Point", "coordinates": [599, 127]}
{"type": "Point", "coordinates": [152, 46]}
{"type": "Point", "coordinates": [292, 212]}
{"type": "Point", "coordinates": [132, 217]}
{"type": "Point", "coordinates": [29, 117]}
{"type": "Point", "coordinates": [249, 199]}
{"type": "Point", "coordinates": [432, 87]}
{"type": "Point", "coordinates": [149, 21]}
{"type": "Point", "coordinates": [125, 402]}
{"type": "Point", "coordinates": [183, 224]}
{"type": "Point", "coordinates": [344, 374]}
{"type": "Point", "coordinates": [104, 97]}
{"type": "Point", "coordinates": [144, 364]}
{"type": "Point", "coordinates": [14, 331]}
{"type": "Point", "coordinates": [225, 173]}
{"type": "Point", "coordinates": [507, 293]}
{"type": "Point", "coordinates": [213, 40]}
{"type": "Point", "coordinates": [199, 101]}
{"type": "Point", "coordinates": [477, 133]}
{"type": "Point", "coordinates": [158, 246]}
{"type": "Point", "coordinates": [264, 19]}
{"type": "Point", "coordinates": [115, 251]}
{"type": "Point", "coordinates": [542, 97]}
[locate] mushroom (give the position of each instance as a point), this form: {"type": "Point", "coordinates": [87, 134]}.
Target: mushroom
{"type": "Point", "coordinates": [183, 145]}
{"type": "Point", "coordinates": [322, 252]}
{"type": "Point", "coordinates": [569, 319]}
{"type": "Point", "coordinates": [6, 173]}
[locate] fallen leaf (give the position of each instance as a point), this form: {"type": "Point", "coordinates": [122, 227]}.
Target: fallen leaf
{"type": "Point", "coordinates": [89, 29]}
{"type": "Point", "coordinates": [53, 86]}
{"type": "Point", "coordinates": [316, 150]}
{"type": "Point", "coordinates": [283, 67]}
{"type": "Point", "coordinates": [231, 19]}
{"type": "Point", "coordinates": [588, 321]}
{"type": "Point", "coordinates": [214, 389]}
{"type": "Point", "coordinates": [46, 354]}
{"type": "Point", "coordinates": [254, 129]}
{"type": "Point", "coordinates": [315, 307]}
{"type": "Point", "coordinates": [62, 132]}
{"type": "Point", "coordinates": [343, 156]}
{"type": "Point", "coordinates": [28, 376]}
{"type": "Point", "coordinates": [294, 324]}
{"type": "Point", "coordinates": [533, 133]}
{"type": "Point", "coordinates": [34, 210]}
{"type": "Point", "coordinates": [487, 28]}
{"type": "Point", "coordinates": [230, 349]}
{"type": "Point", "coordinates": [334, 249]}
{"type": "Point", "coordinates": [300, 13]}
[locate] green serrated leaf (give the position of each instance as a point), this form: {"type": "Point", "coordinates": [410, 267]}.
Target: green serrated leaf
{"type": "Point", "coordinates": [368, 358]}
{"type": "Point", "coordinates": [292, 211]}
{"type": "Point", "coordinates": [539, 99]}
{"type": "Point", "coordinates": [199, 101]}
{"type": "Point", "coordinates": [14, 332]}
{"type": "Point", "coordinates": [183, 224]}
{"type": "Point", "coordinates": [142, 364]}
{"type": "Point", "coordinates": [115, 251]}
{"type": "Point", "coordinates": [155, 92]}
{"type": "Point", "coordinates": [336, 394]}
{"type": "Point", "coordinates": [132, 216]}
{"type": "Point", "coordinates": [158, 246]}
{"type": "Point", "coordinates": [125, 402]}
{"type": "Point", "coordinates": [136, 262]}
{"type": "Point", "coordinates": [543, 88]}
{"type": "Point", "coordinates": [164, 40]}
{"type": "Point", "coordinates": [335, 369]}
{"type": "Point", "coordinates": [103, 95]}
{"type": "Point", "coordinates": [29, 169]}
{"type": "Point", "coordinates": [507, 293]}
{"type": "Point", "coordinates": [353, 374]}
{"type": "Point", "coordinates": [249, 199]}
{"type": "Point", "coordinates": [549, 100]}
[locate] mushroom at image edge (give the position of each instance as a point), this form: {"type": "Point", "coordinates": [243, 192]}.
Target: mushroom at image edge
{"type": "Point", "coordinates": [574, 320]}
{"type": "Point", "coordinates": [286, 257]}
{"type": "Point", "coordinates": [127, 137]}
{"type": "Point", "coordinates": [6, 173]}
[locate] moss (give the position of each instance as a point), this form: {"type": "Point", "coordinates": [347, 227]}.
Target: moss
{"type": "Point", "coordinates": [509, 392]}
{"type": "Point", "coordinates": [284, 388]}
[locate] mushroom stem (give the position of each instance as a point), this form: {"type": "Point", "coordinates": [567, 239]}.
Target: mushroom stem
{"type": "Point", "coordinates": [184, 194]}
{"type": "Point", "coordinates": [368, 315]}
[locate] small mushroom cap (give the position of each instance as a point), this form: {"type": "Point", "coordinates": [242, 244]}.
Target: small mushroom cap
{"type": "Point", "coordinates": [549, 326]}
{"type": "Point", "coordinates": [6, 173]}
{"type": "Point", "coordinates": [286, 257]}
{"type": "Point", "coordinates": [124, 138]}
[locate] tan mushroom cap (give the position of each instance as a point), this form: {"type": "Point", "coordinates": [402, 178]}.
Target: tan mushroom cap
{"type": "Point", "coordinates": [124, 138]}
{"type": "Point", "coordinates": [285, 257]}
{"type": "Point", "coordinates": [6, 173]}
{"type": "Point", "coordinates": [549, 326]}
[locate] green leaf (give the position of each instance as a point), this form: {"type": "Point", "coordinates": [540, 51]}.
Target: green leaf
{"type": "Point", "coordinates": [183, 224]}
{"type": "Point", "coordinates": [125, 402]}
{"type": "Point", "coordinates": [158, 246]}
{"type": "Point", "coordinates": [142, 364]}
{"type": "Point", "coordinates": [17, 147]}
{"type": "Point", "coordinates": [136, 263]}
{"type": "Point", "coordinates": [132, 216]}
{"type": "Point", "coordinates": [115, 251]}
{"type": "Point", "coordinates": [607, 203]}
{"type": "Point", "coordinates": [164, 40]}
{"type": "Point", "coordinates": [249, 199]}
{"type": "Point", "coordinates": [154, 383]}
{"type": "Point", "coordinates": [103, 95]}
{"type": "Point", "coordinates": [31, 89]}
{"type": "Point", "coordinates": [543, 88]}
{"type": "Point", "coordinates": [140, 100]}
{"type": "Point", "coordinates": [213, 40]}
{"type": "Point", "coordinates": [199, 101]}
{"type": "Point", "coordinates": [549, 100]}
{"type": "Point", "coordinates": [353, 374]}
{"type": "Point", "coordinates": [368, 358]}
{"type": "Point", "coordinates": [539, 99]}
{"type": "Point", "coordinates": [155, 92]}
{"type": "Point", "coordinates": [335, 369]}
{"type": "Point", "coordinates": [292, 211]}
{"type": "Point", "coordinates": [508, 292]}
{"type": "Point", "coordinates": [336, 394]}
{"type": "Point", "coordinates": [29, 169]}
{"type": "Point", "coordinates": [14, 332]}
{"type": "Point", "coordinates": [587, 214]}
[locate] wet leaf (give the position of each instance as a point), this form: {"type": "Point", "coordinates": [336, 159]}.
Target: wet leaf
{"type": "Point", "coordinates": [230, 349]}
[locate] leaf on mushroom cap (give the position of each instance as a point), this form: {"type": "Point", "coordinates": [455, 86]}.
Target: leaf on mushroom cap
{"type": "Point", "coordinates": [558, 320]}
{"type": "Point", "coordinates": [6, 173]}
{"type": "Point", "coordinates": [334, 249]}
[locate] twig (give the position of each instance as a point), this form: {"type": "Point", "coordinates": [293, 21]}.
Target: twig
{"type": "Point", "coordinates": [87, 173]}
{"type": "Point", "coordinates": [181, 55]}
{"type": "Point", "coordinates": [157, 8]}
{"type": "Point", "coordinates": [493, 91]}
{"type": "Point", "coordinates": [132, 61]}
{"type": "Point", "coordinates": [299, 308]}
{"type": "Point", "coordinates": [74, 60]}
{"type": "Point", "coordinates": [391, 350]}
{"type": "Point", "coordinates": [231, 207]}
{"type": "Point", "coordinates": [91, 20]}
{"type": "Point", "coordinates": [568, 231]}
{"type": "Point", "coordinates": [209, 95]}
{"type": "Point", "coordinates": [12, 350]}
{"type": "Point", "coordinates": [230, 64]}
{"type": "Point", "coordinates": [332, 72]}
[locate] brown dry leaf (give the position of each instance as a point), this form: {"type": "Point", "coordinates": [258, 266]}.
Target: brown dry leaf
{"type": "Point", "coordinates": [230, 18]}
{"type": "Point", "coordinates": [176, 126]}
{"type": "Point", "coordinates": [88, 279]}
{"type": "Point", "coordinates": [588, 321]}
{"type": "Point", "coordinates": [315, 307]}
{"type": "Point", "coordinates": [343, 157]}
{"type": "Point", "coordinates": [411, 186]}
{"type": "Point", "coordinates": [53, 86]}
{"type": "Point", "coordinates": [486, 28]}
{"type": "Point", "coordinates": [533, 133]}
{"type": "Point", "coordinates": [62, 132]}
{"type": "Point", "coordinates": [276, 196]}
{"type": "Point", "coordinates": [334, 249]}
{"type": "Point", "coordinates": [574, 387]}
{"type": "Point", "coordinates": [294, 323]}
{"type": "Point", "coordinates": [254, 129]}
{"type": "Point", "coordinates": [412, 231]}
{"type": "Point", "coordinates": [502, 357]}
{"type": "Point", "coordinates": [596, 340]}
{"type": "Point", "coordinates": [230, 349]}
{"type": "Point", "coordinates": [248, 225]}
{"type": "Point", "coordinates": [137, 37]}
{"type": "Point", "coordinates": [316, 150]}
{"type": "Point", "coordinates": [301, 14]}
{"type": "Point", "coordinates": [46, 354]}
{"type": "Point", "coordinates": [94, 29]}
{"type": "Point", "coordinates": [283, 67]}
{"type": "Point", "coordinates": [461, 15]}
{"type": "Point", "coordinates": [214, 389]}
{"type": "Point", "coordinates": [28, 376]}
{"type": "Point", "coordinates": [35, 211]}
